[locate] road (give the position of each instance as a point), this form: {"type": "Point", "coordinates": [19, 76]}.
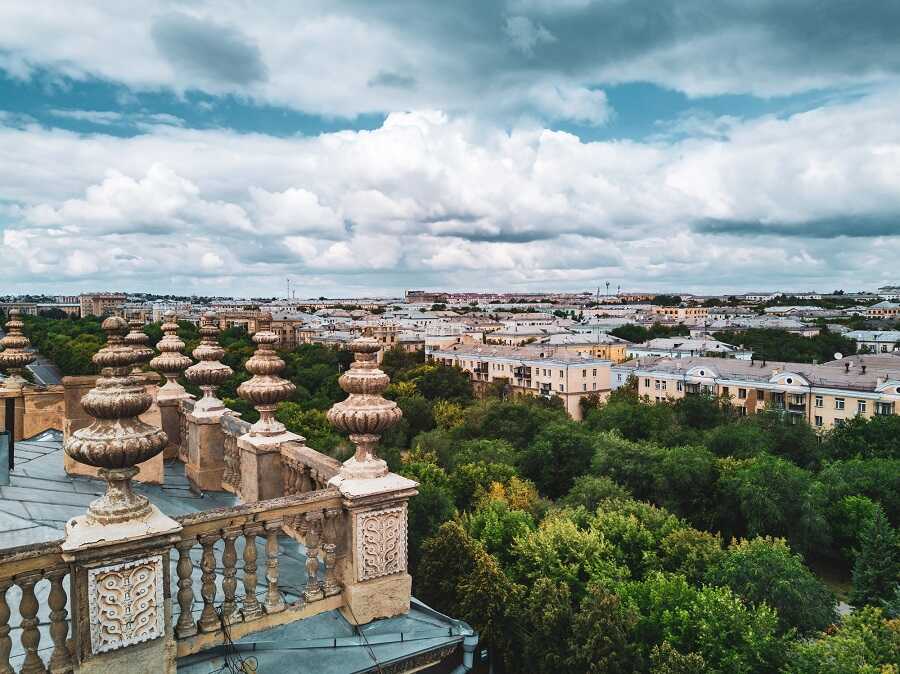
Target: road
{"type": "Point", "coordinates": [45, 371]}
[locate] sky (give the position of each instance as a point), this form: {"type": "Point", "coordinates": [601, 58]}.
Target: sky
{"type": "Point", "coordinates": [365, 148]}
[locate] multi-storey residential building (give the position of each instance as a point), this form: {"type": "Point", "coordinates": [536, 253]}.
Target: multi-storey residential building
{"type": "Point", "coordinates": [876, 341]}
{"type": "Point", "coordinates": [101, 304]}
{"type": "Point", "coordinates": [531, 371]}
{"type": "Point", "coordinates": [682, 347]}
{"type": "Point", "coordinates": [883, 310]}
{"type": "Point", "coordinates": [823, 395]}
{"type": "Point", "coordinates": [594, 344]}
{"type": "Point", "coordinates": [682, 314]}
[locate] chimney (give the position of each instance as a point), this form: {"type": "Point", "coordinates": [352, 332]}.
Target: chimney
{"type": "Point", "coordinates": [862, 369]}
{"type": "Point", "coordinates": [846, 368]}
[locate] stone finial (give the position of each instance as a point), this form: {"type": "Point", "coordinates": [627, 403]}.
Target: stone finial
{"type": "Point", "coordinates": [171, 362]}
{"type": "Point", "coordinates": [137, 339]}
{"type": "Point", "coordinates": [208, 373]}
{"type": "Point", "coordinates": [15, 355]}
{"type": "Point", "coordinates": [364, 414]}
{"type": "Point", "coordinates": [265, 389]}
{"type": "Point", "coordinates": [117, 440]}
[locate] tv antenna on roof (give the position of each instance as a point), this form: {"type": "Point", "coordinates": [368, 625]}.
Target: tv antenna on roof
{"type": "Point", "coordinates": [838, 355]}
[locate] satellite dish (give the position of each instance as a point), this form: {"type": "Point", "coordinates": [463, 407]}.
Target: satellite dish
{"type": "Point", "coordinates": [838, 355]}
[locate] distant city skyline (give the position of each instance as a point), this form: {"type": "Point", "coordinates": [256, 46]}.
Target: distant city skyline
{"type": "Point", "coordinates": [363, 149]}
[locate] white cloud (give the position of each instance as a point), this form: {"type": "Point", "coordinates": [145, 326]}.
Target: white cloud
{"type": "Point", "coordinates": [433, 199]}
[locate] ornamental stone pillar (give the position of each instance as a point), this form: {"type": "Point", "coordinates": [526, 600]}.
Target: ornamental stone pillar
{"type": "Point", "coordinates": [206, 441]}
{"type": "Point", "coordinates": [260, 447]}
{"type": "Point", "coordinates": [374, 572]}
{"type": "Point", "coordinates": [14, 358]}
{"type": "Point", "coordinates": [137, 339]}
{"type": "Point", "coordinates": [121, 609]}
{"type": "Point", "coordinates": [171, 362]}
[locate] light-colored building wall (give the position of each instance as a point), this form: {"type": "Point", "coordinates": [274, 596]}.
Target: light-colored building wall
{"type": "Point", "coordinates": [101, 304]}
{"type": "Point", "coordinates": [823, 395]}
{"type": "Point", "coordinates": [566, 376]}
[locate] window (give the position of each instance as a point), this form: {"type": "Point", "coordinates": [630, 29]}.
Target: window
{"type": "Point", "coordinates": [838, 403]}
{"type": "Point", "coordinates": [679, 385]}
{"type": "Point", "coordinates": [818, 421]}
{"type": "Point", "coordinates": [584, 387]}
{"type": "Point", "coordinates": [584, 373]}
{"type": "Point", "coordinates": [656, 384]}
{"type": "Point", "coordinates": [742, 393]}
{"type": "Point", "coordinates": [742, 411]}
{"type": "Point", "coordinates": [860, 406]}
{"type": "Point", "coordinates": [560, 374]}
{"type": "Point", "coordinates": [838, 423]}
{"type": "Point", "coordinates": [725, 391]}
{"type": "Point", "coordinates": [561, 387]}
{"type": "Point", "coordinates": [594, 386]}
{"type": "Point", "coordinates": [595, 373]}
{"type": "Point", "coordinates": [618, 376]}
{"type": "Point", "coordinates": [647, 383]}
{"type": "Point", "coordinates": [819, 402]}
{"type": "Point", "coordinates": [664, 385]}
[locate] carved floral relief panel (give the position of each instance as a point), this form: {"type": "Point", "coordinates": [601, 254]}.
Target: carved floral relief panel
{"type": "Point", "coordinates": [381, 542]}
{"type": "Point", "coordinates": [126, 603]}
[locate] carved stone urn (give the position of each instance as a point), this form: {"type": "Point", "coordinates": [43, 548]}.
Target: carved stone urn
{"type": "Point", "coordinates": [170, 362]}
{"type": "Point", "coordinates": [265, 389]}
{"type": "Point", "coordinates": [15, 355]}
{"type": "Point", "coordinates": [365, 414]}
{"type": "Point", "coordinates": [117, 440]}
{"type": "Point", "coordinates": [138, 340]}
{"type": "Point", "coordinates": [208, 373]}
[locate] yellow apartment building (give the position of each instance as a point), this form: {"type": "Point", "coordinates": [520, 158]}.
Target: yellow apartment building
{"type": "Point", "coordinates": [681, 314]}
{"type": "Point", "coordinates": [531, 371]}
{"type": "Point", "coordinates": [824, 395]}
{"type": "Point", "coordinates": [597, 345]}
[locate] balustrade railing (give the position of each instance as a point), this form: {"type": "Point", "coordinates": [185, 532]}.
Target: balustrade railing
{"type": "Point", "coordinates": [186, 407]}
{"type": "Point", "coordinates": [303, 469]}
{"type": "Point", "coordinates": [25, 572]}
{"type": "Point", "coordinates": [253, 530]}
{"type": "Point", "coordinates": [232, 428]}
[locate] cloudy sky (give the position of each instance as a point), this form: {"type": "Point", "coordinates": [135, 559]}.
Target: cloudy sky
{"type": "Point", "coordinates": [366, 147]}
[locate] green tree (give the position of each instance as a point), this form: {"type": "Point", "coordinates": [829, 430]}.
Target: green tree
{"type": "Point", "coordinates": [876, 571]}
{"type": "Point", "coordinates": [765, 571]}
{"type": "Point", "coordinates": [740, 440]}
{"type": "Point", "coordinates": [589, 490]}
{"type": "Point", "coordinates": [690, 552]}
{"type": "Point", "coordinates": [865, 643]}
{"type": "Point", "coordinates": [559, 453]}
{"type": "Point", "coordinates": [429, 509]}
{"type": "Point", "coordinates": [602, 639]}
{"type": "Point", "coordinates": [497, 525]}
{"type": "Point", "coordinates": [471, 481]}
{"type": "Point", "coordinates": [876, 437]}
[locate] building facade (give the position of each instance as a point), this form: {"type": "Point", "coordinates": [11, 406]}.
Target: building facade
{"type": "Point", "coordinates": [101, 304]}
{"type": "Point", "coordinates": [823, 395]}
{"type": "Point", "coordinates": [530, 371]}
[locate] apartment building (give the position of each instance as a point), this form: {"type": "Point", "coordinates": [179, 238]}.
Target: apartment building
{"type": "Point", "coordinates": [101, 304]}
{"type": "Point", "coordinates": [597, 345]}
{"type": "Point", "coordinates": [824, 395]}
{"type": "Point", "coordinates": [883, 310]}
{"type": "Point", "coordinates": [531, 371]}
{"type": "Point", "coordinates": [876, 341]}
{"type": "Point", "coordinates": [682, 347]}
{"type": "Point", "coordinates": [682, 314]}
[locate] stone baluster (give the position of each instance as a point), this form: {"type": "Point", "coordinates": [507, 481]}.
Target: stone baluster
{"type": "Point", "coordinates": [251, 607]}
{"type": "Point", "coordinates": [261, 446]}
{"type": "Point", "coordinates": [306, 483]}
{"type": "Point", "coordinates": [137, 339]}
{"type": "Point", "coordinates": [5, 640]}
{"type": "Point", "coordinates": [209, 619]}
{"type": "Point", "coordinates": [14, 353]}
{"type": "Point", "coordinates": [31, 636]}
{"type": "Point", "coordinates": [274, 598]}
{"type": "Point", "coordinates": [186, 626]}
{"type": "Point", "coordinates": [313, 590]}
{"type": "Point", "coordinates": [231, 476]}
{"type": "Point", "coordinates": [229, 575]}
{"type": "Point", "coordinates": [171, 362]}
{"type": "Point", "coordinates": [183, 440]}
{"type": "Point", "coordinates": [60, 659]}
{"type": "Point", "coordinates": [364, 414]}
{"type": "Point", "coordinates": [331, 586]}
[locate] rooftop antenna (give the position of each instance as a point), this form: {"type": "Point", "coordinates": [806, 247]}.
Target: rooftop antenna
{"type": "Point", "coordinates": [607, 288]}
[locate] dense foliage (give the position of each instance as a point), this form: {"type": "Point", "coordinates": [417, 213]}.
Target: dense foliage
{"type": "Point", "coordinates": [656, 538]}
{"type": "Point", "coordinates": [779, 345]}
{"type": "Point", "coordinates": [638, 334]}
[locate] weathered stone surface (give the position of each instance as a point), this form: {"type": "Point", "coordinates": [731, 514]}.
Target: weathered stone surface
{"type": "Point", "coordinates": [381, 598]}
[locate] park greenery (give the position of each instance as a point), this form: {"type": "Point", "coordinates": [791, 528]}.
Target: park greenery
{"type": "Point", "coordinates": [665, 538]}
{"type": "Point", "coordinates": [779, 345]}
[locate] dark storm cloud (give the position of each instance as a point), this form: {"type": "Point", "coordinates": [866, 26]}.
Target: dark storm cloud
{"type": "Point", "coordinates": [208, 50]}
{"type": "Point", "coordinates": [856, 226]}
{"type": "Point", "coordinates": [617, 40]}
{"type": "Point", "coordinates": [393, 80]}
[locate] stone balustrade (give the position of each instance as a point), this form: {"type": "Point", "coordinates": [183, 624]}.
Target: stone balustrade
{"type": "Point", "coordinates": [23, 571]}
{"type": "Point", "coordinates": [252, 531]}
